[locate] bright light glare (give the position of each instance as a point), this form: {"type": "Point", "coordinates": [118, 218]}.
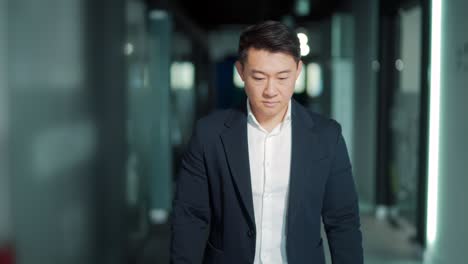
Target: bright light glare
{"type": "Point", "coordinates": [129, 49]}
{"type": "Point", "coordinates": [314, 80]}
{"type": "Point", "coordinates": [302, 38]}
{"type": "Point", "coordinates": [300, 82]}
{"type": "Point", "coordinates": [158, 15]}
{"type": "Point", "coordinates": [305, 49]}
{"type": "Point", "coordinates": [434, 118]}
{"type": "Point", "coordinates": [182, 75]}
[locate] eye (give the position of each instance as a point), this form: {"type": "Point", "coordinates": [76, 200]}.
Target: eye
{"type": "Point", "coordinates": [282, 78]}
{"type": "Point", "coordinates": [258, 78]}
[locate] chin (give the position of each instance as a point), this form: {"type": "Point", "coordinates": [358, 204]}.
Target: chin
{"type": "Point", "coordinates": [270, 112]}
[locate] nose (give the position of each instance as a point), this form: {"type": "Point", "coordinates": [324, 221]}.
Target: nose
{"type": "Point", "coordinates": [270, 90]}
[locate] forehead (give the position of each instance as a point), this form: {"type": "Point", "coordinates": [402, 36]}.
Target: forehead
{"type": "Point", "coordinates": [266, 61]}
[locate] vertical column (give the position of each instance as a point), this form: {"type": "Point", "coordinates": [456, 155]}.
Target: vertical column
{"type": "Point", "coordinates": [104, 36]}
{"type": "Point", "coordinates": [342, 95]}
{"type": "Point", "coordinates": [159, 49]}
{"type": "Point", "coordinates": [447, 215]}
{"type": "Point", "coordinates": [366, 40]}
{"type": "Point", "coordinates": [66, 111]}
{"type": "Point", "coordinates": [386, 88]}
{"type": "Point", "coordinates": [5, 216]}
{"type": "Point", "coordinates": [53, 146]}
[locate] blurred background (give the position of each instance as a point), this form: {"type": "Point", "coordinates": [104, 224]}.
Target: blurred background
{"type": "Point", "coordinates": [98, 99]}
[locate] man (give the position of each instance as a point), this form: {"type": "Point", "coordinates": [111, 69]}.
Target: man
{"type": "Point", "coordinates": [255, 183]}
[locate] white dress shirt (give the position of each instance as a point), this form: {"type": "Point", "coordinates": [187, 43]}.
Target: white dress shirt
{"type": "Point", "coordinates": [270, 161]}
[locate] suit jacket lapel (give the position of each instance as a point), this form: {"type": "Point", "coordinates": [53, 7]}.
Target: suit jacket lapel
{"type": "Point", "coordinates": [303, 149]}
{"type": "Point", "coordinates": [237, 152]}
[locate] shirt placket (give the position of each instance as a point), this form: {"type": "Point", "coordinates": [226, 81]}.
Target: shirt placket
{"type": "Point", "coordinates": [267, 224]}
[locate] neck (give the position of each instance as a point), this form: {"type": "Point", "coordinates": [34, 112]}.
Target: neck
{"type": "Point", "coordinates": [269, 123]}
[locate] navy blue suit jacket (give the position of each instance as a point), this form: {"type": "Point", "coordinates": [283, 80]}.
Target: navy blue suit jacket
{"type": "Point", "coordinates": [213, 219]}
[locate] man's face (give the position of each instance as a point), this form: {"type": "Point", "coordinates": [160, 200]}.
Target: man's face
{"type": "Point", "coordinates": [269, 80]}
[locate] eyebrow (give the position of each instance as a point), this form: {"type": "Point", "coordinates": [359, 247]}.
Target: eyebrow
{"type": "Point", "coordinates": [261, 72]}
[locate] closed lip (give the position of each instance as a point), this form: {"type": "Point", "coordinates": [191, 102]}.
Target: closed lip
{"type": "Point", "coordinates": [269, 103]}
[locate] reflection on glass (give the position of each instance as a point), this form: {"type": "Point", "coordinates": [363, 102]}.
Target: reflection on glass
{"type": "Point", "coordinates": [182, 75]}
{"type": "Point", "coordinates": [314, 80]}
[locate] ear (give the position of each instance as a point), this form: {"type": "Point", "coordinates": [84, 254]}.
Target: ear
{"type": "Point", "coordinates": [240, 70]}
{"type": "Point", "coordinates": [299, 69]}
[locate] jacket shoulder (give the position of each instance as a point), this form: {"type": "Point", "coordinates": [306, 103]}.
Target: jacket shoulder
{"type": "Point", "coordinates": [320, 121]}
{"type": "Point", "coordinates": [213, 123]}
{"type": "Point", "coordinates": [214, 120]}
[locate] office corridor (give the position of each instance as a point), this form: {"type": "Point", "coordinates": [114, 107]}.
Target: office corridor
{"type": "Point", "coordinates": [98, 102]}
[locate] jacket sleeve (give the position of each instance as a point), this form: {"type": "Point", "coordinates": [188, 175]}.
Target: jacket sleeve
{"type": "Point", "coordinates": [191, 210]}
{"type": "Point", "coordinates": [340, 211]}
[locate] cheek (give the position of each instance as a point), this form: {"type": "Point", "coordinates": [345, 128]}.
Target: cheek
{"type": "Point", "coordinates": [287, 89]}
{"type": "Point", "coordinates": [253, 88]}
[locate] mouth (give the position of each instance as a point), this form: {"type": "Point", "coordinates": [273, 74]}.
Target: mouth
{"type": "Point", "coordinates": [270, 104]}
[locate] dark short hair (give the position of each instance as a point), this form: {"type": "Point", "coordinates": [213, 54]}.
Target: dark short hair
{"type": "Point", "coordinates": [269, 35]}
